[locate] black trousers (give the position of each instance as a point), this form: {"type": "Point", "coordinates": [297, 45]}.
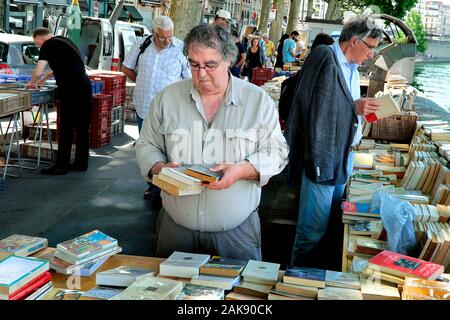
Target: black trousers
{"type": "Point", "coordinates": [74, 117]}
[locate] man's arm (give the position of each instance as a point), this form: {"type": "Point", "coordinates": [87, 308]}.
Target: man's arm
{"type": "Point", "coordinates": [37, 73]}
{"type": "Point", "coordinates": [130, 73]}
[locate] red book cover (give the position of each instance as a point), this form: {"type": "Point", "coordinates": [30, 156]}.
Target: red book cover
{"type": "Point", "coordinates": [371, 117]}
{"type": "Point", "coordinates": [398, 264]}
{"type": "Point", "coordinates": [31, 286]}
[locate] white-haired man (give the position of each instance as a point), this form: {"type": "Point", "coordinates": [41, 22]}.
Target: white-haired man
{"type": "Point", "coordinates": [161, 64]}
{"type": "Point", "coordinates": [222, 18]}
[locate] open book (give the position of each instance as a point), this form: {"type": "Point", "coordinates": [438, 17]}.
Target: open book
{"type": "Point", "coordinates": [388, 107]}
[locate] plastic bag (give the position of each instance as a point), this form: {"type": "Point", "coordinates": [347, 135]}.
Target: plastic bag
{"type": "Point", "coordinates": [397, 217]}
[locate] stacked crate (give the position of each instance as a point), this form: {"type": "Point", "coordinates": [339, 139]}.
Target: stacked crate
{"type": "Point", "coordinates": [113, 84]}
{"type": "Point", "coordinates": [261, 75]}
{"type": "Point", "coordinates": [100, 131]}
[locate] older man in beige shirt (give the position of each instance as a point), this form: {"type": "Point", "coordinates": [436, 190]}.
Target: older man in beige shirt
{"type": "Point", "coordinates": [221, 122]}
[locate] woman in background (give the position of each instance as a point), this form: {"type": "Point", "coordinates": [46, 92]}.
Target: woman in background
{"type": "Point", "coordinates": [254, 57]}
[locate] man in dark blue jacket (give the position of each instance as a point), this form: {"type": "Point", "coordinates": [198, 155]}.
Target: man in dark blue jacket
{"type": "Point", "coordinates": [324, 124]}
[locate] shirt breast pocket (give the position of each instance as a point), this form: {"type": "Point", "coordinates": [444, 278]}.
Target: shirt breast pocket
{"type": "Point", "coordinates": [240, 144]}
{"type": "Point", "coordinates": [178, 144]}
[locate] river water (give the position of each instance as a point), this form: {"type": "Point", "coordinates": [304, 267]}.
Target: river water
{"type": "Point", "coordinates": [434, 80]}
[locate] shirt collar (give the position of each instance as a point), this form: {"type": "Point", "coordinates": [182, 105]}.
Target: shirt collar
{"type": "Point", "coordinates": [341, 57]}
{"type": "Point", "coordinates": [231, 96]}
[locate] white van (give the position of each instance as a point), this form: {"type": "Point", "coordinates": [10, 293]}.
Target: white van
{"type": "Point", "coordinates": [105, 42]}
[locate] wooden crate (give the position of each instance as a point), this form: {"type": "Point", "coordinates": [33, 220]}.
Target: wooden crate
{"type": "Point", "coordinates": [395, 128]}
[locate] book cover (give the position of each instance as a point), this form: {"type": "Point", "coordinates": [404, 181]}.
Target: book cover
{"type": "Point", "coordinates": [305, 276]}
{"type": "Point", "coordinates": [401, 265]}
{"type": "Point", "coordinates": [226, 283]}
{"type": "Point", "coordinates": [40, 292]}
{"type": "Point", "coordinates": [376, 289]}
{"type": "Point", "coordinates": [370, 246]}
{"type": "Point", "coordinates": [89, 268]}
{"type": "Point", "coordinates": [261, 272]}
{"type": "Point", "coordinates": [198, 292]}
{"type": "Point", "coordinates": [360, 209]}
{"type": "Point", "coordinates": [122, 276]}
{"type": "Point", "coordinates": [151, 288]}
{"type": "Point", "coordinates": [182, 264]}
{"type": "Point", "coordinates": [87, 244]}
{"type": "Point", "coordinates": [203, 174]}
{"type": "Point", "coordinates": [241, 296]}
{"type": "Point", "coordinates": [179, 175]}
{"type": "Point", "coordinates": [342, 280]}
{"type": "Point", "coordinates": [278, 295]}
{"type": "Point", "coordinates": [102, 293]}
{"type": "Point", "coordinates": [223, 266]}
{"type": "Point", "coordinates": [16, 271]}
{"type": "Point", "coordinates": [22, 245]}
{"type": "Point", "coordinates": [388, 107]}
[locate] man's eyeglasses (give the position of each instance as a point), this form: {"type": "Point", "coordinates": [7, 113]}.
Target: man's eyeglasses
{"type": "Point", "coordinates": [371, 48]}
{"type": "Point", "coordinates": [209, 67]}
{"type": "Point", "coordinates": [162, 39]}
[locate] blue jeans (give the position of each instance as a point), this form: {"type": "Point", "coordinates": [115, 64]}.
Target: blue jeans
{"type": "Point", "coordinates": [316, 203]}
{"type": "Point", "coordinates": [153, 188]}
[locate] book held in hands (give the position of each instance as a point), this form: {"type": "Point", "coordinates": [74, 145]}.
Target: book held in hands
{"type": "Point", "coordinates": [388, 107]}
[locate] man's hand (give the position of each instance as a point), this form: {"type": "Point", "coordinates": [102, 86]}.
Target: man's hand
{"type": "Point", "coordinates": [156, 169]}
{"type": "Point", "coordinates": [231, 174]}
{"type": "Point", "coordinates": [30, 85]}
{"type": "Point", "coordinates": [366, 106]}
{"type": "Point", "coordinates": [41, 83]}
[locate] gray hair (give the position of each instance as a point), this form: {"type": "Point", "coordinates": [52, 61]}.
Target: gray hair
{"type": "Point", "coordinates": [213, 37]}
{"type": "Point", "coordinates": [162, 23]}
{"type": "Point", "coordinates": [361, 27]}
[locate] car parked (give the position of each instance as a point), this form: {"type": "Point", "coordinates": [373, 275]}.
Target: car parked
{"type": "Point", "coordinates": [18, 54]}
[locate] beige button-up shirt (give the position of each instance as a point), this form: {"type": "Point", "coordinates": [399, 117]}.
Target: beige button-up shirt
{"type": "Point", "coordinates": [245, 127]}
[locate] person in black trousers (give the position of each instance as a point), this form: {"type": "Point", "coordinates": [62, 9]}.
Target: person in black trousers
{"type": "Point", "coordinates": [75, 94]}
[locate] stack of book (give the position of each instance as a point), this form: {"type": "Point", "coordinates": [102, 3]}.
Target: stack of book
{"type": "Point", "coordinates": [122, 276]}
{"type": "Point", "coordinates": [394, 264]}
{"type": "Point", "coordinates": [220, 272]}
{"type": "Point", "coordinates": [433, 240]}
{"type": "Point", "coordinates": [23, 278]}
{"type": "Point", "coordinates": [299, 284]}
{"type": "Point", "coordinates": [353, 211]}
{"type": "Point", "coordinates": [22, 245]}
{"type": "Point", "coordinates": [175, 182]}
{"type": "Point", "coordinates": [420, 289]}
{"type": "Point", "coordinates": [259, 277]}
{"type": "Point", "coordinates": [90, 249]}
{"type": "Point", "coordinates": [198, 292]}
{"type": "Point", "coordinates": [182, 264]}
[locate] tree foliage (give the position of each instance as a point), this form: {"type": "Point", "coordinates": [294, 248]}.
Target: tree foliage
{"type": "Point", "coordinates": [414, 21]}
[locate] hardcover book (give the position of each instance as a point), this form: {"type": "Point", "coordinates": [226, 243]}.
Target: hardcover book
{"type": "Point", "coordinates": [182, 264]}
{"type": "Point", "coordinates": [87, 244]}
{"type": "Point", "coordinates": [120, 277]}
{"type": "Point", "coordinates": [31, 286]}
{"type": "Point", "coordinates": [261, 272]}
{"type": "Point", "coordinates": [223, 267]}
{"type": "Point", "coordinates": [202, 173]}
{"type": "Point", "coordinates": [15, 272]}
{"type": "Point", "coordinates": [151, 288]}
{"type": "Point", "coordinates": [305, 276]}
{"type": "Point", "coordinates": [198, 292]}
{"type": "Point", "coordinates": [402, 266]}
{"type": "Point", "coordinates": [174, 189]}
{"type": "Point", "coordinates": [22, 245]}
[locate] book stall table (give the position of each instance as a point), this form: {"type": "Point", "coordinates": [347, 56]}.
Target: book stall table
{"type": "Point", "coordinates": [73, 282]}
{"type": "Point", "coordinates": [42, 98]}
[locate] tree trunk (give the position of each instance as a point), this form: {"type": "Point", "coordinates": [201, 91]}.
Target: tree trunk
{"type": "Point", "coordinates": [333, 10]}
{"type": "Point", "coordinates": [275, 27]}
{"type": "Point", "coordinates": [264, 15]}
{"type": "Point", "coordinates": [185, 14]}
{"type": "Point", "coordinates": [310, 10]}
{"type": "Point", "coordinates": [294, 12]}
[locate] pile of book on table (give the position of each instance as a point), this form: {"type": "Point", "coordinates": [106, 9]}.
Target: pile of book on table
{"type": "Point", "coordinates": [21, 277]}
{"type": "Point", "coordinates": [24, 278]}
{"type": "Point", "coordinates": [83, 254]}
